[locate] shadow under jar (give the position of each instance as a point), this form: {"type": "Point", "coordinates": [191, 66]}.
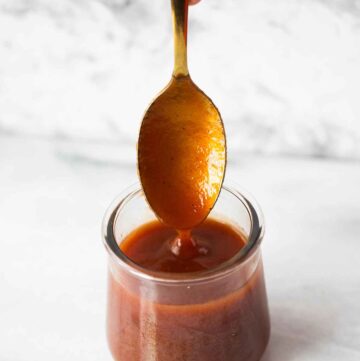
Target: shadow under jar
{"type": "Point", "coordinates": [219, 314]}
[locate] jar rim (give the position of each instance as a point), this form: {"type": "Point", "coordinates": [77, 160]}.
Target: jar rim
{"type": "Point", "coordinates": [255, 237]}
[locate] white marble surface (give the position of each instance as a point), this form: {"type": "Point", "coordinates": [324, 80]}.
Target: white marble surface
{"type": "Point", "coordinates": [53, 265]}
{"type": "Point", "coordinates": [284, 73]}
{"type": "Point", "coordinates": [75, 78]}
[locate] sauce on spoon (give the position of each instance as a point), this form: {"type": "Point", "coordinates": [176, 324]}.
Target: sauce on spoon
{"type": "Point", "coordinates": [182, 146]}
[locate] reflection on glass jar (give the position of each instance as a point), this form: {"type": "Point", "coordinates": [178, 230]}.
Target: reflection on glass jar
{"type": "Point", "coordinates": [216, 315]}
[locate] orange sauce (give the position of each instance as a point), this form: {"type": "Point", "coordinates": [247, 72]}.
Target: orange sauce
{"type": "Point", "coordinates": [229, 328]}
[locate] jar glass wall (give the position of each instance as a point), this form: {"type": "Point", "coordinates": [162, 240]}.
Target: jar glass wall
{"type": "Point", "coordinates": [216, 315]}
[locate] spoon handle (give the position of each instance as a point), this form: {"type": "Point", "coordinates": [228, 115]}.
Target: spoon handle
{"type": "Point", "coordinates": [180, 25]}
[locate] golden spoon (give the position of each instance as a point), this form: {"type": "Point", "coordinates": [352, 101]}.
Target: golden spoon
{"type": "Point", "coordinates": [182, 147]}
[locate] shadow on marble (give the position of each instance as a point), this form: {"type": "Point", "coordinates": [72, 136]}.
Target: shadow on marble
{"type": "Point", "coordinates": [295, 336]}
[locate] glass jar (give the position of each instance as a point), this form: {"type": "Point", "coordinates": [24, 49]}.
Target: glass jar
{"type": "Point", "coordinates": [215, 315]}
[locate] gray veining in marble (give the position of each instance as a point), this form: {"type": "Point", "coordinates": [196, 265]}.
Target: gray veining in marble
{"type": "Point", "coordinates": [75, 78]}
{"type": "Point", "coordinates": [284, 73]}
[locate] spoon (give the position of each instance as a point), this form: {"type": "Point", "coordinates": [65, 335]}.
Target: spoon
{"type": "Point", "coordinates": [182, 146]}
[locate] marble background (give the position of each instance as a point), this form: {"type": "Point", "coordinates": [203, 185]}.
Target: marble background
{"type": "Point", "coordinates": [284, 73]}
{"type": "Point", "coordinates": [75, 78]}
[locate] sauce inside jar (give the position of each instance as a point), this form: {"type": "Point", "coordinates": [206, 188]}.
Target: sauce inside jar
{"type": "Point", "coordinates": [157, 247]}
{"type": "Point", "coordinates": [223, 321]}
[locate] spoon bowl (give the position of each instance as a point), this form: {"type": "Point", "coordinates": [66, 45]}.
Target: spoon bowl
{"type": "Point", "coordinates": [182, 154]}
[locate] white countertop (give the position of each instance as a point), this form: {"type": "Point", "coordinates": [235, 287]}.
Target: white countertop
{"type": "Point", "coordinates": [74, 81]}
{"type": "Point", "coordinates": [53, 265]}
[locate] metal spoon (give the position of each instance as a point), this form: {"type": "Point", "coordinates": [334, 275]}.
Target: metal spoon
{"type": "Point", "coordinates": [182, 145]}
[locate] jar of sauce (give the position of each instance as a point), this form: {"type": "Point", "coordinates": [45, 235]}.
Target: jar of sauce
{"type": "Point", "coordinates": [217, 313]}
